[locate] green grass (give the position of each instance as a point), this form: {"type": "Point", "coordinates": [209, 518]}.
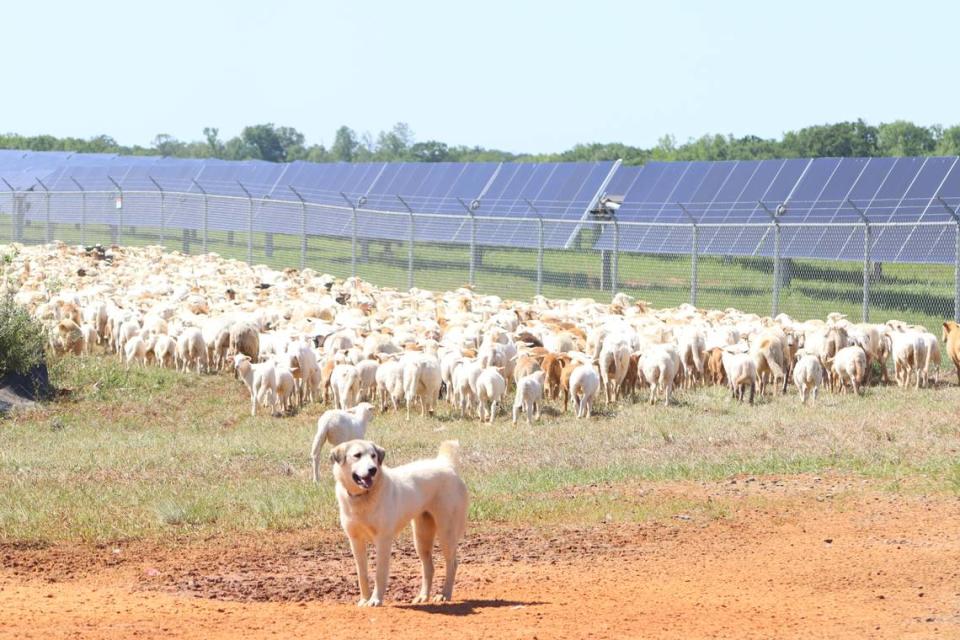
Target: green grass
{"type": "Point", "coordinates": [152, 454]}
{"type": "Point", "coordinates": [916, 293]}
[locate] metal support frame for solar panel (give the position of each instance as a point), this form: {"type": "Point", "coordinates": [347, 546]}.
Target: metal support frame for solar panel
{"type": "Point", "coordinates": [592, 204]}
{"type": "Point", "coordinates": [956, 258]}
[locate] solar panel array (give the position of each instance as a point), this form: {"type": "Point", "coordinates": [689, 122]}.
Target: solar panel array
{"type": "Point", "coordinates": [822, 203]}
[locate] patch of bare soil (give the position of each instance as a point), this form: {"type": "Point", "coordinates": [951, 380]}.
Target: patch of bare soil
{"type": "Point", "coordinates": [793, 558]}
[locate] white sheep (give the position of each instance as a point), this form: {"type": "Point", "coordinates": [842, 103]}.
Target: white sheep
{"type": "Point", "coordinates": [336, 427]}
{"type": "Point", "coordinates": [389, 378]}
{"type": "Point", "coordinates": [135, 351]}
{"type": "Point", "coordinates": [658, 366]}
{"type": "Point", "coordinates": [850, 365]}
{"type": "Point", "coordinates": [345, 384]}
{"type": "Point", "coordinates": [260, 380]}
{"type": "Point", "coordinates": [808, 376]}
{"type": "Point", "coordinates": [191, 350]}
{"type": "Point", "coordinates": [529, 396]}
{"type": "Point", "coordinates": [584, 384]}
{"type": "Point", "coordinates": [421, 381]}
{"type": "Point", "coordinates": [491, 386]}
{"type": "Point", "coordinates": [741, 372]}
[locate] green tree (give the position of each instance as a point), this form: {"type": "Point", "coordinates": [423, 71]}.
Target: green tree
{"type": "Point", "coordinates": [903, 138]}
{"type": "Point", "coordinates": [272, 143]}
{"type": "Point", "coordinates": [840, 140]}
{"type": "Point", "coordinates": [395, 144]}
{"type": "Point", "coordinates": [214, 144]}
{"type": "Point", "coordinates": [949, 142]}
{"type": "Point", "coordinates": [167, 145]}
{"type": "Point", "coordinates": [429, 151]}
{"type": "Point", "coordinates": [345, 145]}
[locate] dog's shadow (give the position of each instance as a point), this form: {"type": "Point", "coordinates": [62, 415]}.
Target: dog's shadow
{"type": "Point", "coordinates": [467, 607]}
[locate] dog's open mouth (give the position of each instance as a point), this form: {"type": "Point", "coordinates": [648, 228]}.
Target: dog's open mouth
{"type": "Point", "coordinates": [363, 481]}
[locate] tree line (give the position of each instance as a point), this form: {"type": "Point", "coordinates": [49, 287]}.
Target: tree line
{"type": "Point", "coordinates": [286, 144]}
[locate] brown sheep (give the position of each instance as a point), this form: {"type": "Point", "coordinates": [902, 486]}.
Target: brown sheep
{"type": "Point", "coordinates": [951, 338]}
{"type": "Point", "coordinates": [245, 339]}
{"type": "Point", "coordinates": [715, 367]}
{"type": "Point", "coordinates": [525, 366]}
{"type": "Point", "coordinates": [553, 364]}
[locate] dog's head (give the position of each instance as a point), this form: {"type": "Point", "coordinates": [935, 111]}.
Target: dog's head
{"type": "Point", "coordinates": [356, 465]}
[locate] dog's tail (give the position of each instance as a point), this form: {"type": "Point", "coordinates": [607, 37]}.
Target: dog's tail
{"type": "Point", "coordinates": [450, 451]}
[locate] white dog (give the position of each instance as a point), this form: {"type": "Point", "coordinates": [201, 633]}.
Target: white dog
{"type": "Point", "coordinates": [377, 501]}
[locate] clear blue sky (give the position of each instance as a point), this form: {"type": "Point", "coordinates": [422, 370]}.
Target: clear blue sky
{"type": "Point", "coordinates": [519, 76]}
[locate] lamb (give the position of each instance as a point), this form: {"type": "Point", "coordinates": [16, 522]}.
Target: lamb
{"type": "Point", "coordinates": [345, 383]}
{"type": "Point", "coordinates": [368, 378]}
{"type": "Point", "coordinates": [491, 386]}
{"type": "Point", "coordinates": [286, 389]}
{"type": "Point", "coordinates": [165, 351]}
{"type": "Point", "coordinates": [529, 396]}
{"type": "Point", "coordinates": [614, 361]}
{"type": "Point", "coordinates": [808, 376]}
{"type": "Point", "coordinates": [465, 384]}
{"type": "Point", "coordinates": [337, 426]}
{"type": "Point", "coordinates": [260, 380]}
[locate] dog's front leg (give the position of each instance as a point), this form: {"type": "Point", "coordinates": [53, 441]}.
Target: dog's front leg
{"type": "Point", "coordinates": [383, 546]}
{"type": "Point", "coordinates": [359, 549]}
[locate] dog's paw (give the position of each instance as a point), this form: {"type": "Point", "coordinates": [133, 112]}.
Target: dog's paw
{"type": "Point", "coordinates": [420, 599]}
{"type": "Point", "coordinates": [440, 598]}
{"type": "Point", "coordinates": [373, 601]}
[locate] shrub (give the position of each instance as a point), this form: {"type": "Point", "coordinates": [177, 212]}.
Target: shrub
{"type": "Point", "coordinates": [21, 338]}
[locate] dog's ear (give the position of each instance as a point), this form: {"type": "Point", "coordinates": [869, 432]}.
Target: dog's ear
{"type": "Point", "coordinates": [381, 453]}
{"type": "Point", "coordinates": [336, 456]}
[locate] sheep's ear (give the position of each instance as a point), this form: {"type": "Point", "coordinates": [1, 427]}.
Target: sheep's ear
{"type": "Point", "coordinates": [381, 453]}
{"type": "Point", "coordinates": [336, 456]}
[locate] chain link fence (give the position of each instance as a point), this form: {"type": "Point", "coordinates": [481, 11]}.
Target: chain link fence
{"type": "Point", "coordinates": [758, 268]}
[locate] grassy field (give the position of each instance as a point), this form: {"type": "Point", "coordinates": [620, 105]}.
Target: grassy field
{"type": "Point", "coordinates": [152, 454]}
{"type": "Point", "coordinates": [916, 293]}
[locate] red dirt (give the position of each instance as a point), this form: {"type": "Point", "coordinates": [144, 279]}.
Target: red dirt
{"type": "Point", "coordinates": [795, 558]}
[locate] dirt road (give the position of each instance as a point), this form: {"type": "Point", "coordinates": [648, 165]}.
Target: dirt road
{"type": "Point", "coordinates": [793, 558]}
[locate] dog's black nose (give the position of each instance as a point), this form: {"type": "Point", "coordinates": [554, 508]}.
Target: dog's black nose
{"type": "Point", "coordinates": [373, 472]}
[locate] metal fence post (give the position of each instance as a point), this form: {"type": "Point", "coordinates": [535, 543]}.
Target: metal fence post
{"type": "Point", "coordinates": [956, 259]}
{"type": "Point", "coordinates": [13, 212]}
{"type": "Point", "coordinates": [776, 269]}
{"type": "Point", "coordinates": [867, 235]}
{"type": "Point", "coordinates": [83, 211]}
{"type": "Point", "coordinates": [616, 257]}
{"type": "Point", "coordinates": [473, 237]}
{"type": "Point", "coordinates": [46, 212]}
{"type": "Point", "coordinates": [205, 213]}
{"type": "Point", "coordinates": [409, 244]}
{"type": "Point", "coordinates": [539, 247]}
{"type": "Point", "coordinates": [303, 227]}
{"type": "Point", "coordinates": [249, 223]}
{"type": "Point", "coordinates": [163, 211]}
{"type": "Point", "coordinates": [353, 235]}
{"type": "Point", "coordinates": [694, 254]}
{"type": "Point", "coordinates": [117, 234]}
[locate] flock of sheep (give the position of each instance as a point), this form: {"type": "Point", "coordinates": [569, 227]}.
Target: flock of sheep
{"type": "Point", "coordinates": [297, 336]}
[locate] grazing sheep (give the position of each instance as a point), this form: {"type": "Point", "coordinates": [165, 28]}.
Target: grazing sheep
{"type": "Point", "coordinates": [286, 390]}
{"type": "Point", "coordinates": [337, 426]}
{"type": "Point", "coordinates": [165, 351]}
{"type": "Point", "coordinates": [389, 378]}
{"type": "Point", "coordinates": [529, 396]}
{"type": "Point", "coordinates": [741, 372]}
{"type": "Point", "coordinates": [135, 351]}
